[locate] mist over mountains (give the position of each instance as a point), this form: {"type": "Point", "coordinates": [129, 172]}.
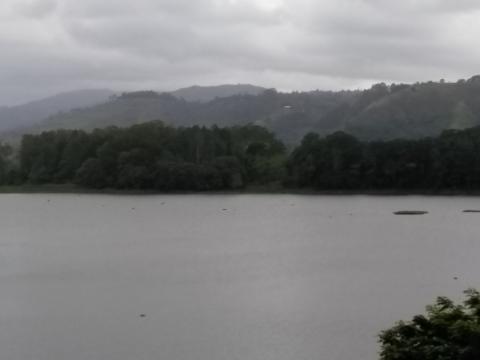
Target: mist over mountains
{"type": "Point", "coordinates": [31, 113]}
{"type": "Point", "coordinates": [381, 112]}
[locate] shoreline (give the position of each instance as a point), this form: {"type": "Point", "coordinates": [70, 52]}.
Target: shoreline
{"type": "Point", "coordinates": [74, 189]}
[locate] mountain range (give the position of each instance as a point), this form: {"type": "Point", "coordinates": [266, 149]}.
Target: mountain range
{"type": "Point", "coordinates": [381, 112]}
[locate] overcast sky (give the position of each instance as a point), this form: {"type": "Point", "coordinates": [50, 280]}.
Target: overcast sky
{"type": "Point", "coordinates": [49, 46]}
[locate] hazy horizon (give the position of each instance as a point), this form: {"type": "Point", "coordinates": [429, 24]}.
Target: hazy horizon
{"type": "Point", "coordinates": [117, 91]}
{"type": "Point", "coordinates": [52, 46]}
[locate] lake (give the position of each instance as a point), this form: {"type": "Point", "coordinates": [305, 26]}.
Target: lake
{"type": "Point", "coordinates": [217, 277]}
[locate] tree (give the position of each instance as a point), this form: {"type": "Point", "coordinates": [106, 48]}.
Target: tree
{"type": "Point", "coordinates": [447, 332]}
{"type": "Point", "coordinates": [7, 171]}
{"type": "Point", "coordinates": [91, 174]}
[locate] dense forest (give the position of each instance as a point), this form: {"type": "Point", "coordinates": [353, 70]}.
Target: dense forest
{"type": "Point", "coordinates": [450, 161]}
{"type": "Point", "coordinates": [155, 156]}
{"type": "Point", "coordinates": [152, 156]}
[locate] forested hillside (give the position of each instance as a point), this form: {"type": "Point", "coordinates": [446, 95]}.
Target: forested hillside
{"type": "Point", "coordinates": [379, 113]}
{"type": "Point", "coordinates": [290, 115]}
{"type": "Point", "coordinates": [414, 111]}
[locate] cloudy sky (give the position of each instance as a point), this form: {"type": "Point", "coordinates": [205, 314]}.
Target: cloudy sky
{"type": "Point", "coordinates": [49, 46]}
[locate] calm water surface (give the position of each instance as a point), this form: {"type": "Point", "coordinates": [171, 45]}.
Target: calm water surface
{"type": "Point", "coordinates": [220, 277]}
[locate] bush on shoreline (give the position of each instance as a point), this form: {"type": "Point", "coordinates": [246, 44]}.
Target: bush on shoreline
{"type": "Point", "coordinates": [448, 331]}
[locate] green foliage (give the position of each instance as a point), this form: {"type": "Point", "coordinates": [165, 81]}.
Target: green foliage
{"type": "Point", "coordinates": [154, 156]}
{"type": "Point", "coordinates": [340, 161]}
{"type": "Point", "coordinates": [8, 174]}
{"type": "Point", "coordinates": [91, 174]}
{"type": "Point", "coordinates": [447, 332]}
{"type": "Point", "coordinates": [159, 157]}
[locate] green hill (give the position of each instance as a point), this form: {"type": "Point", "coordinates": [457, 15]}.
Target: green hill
{"type": "Point", "coordinates": [381, 112]}
{"type": "Point", "coordinates": [289, 115]}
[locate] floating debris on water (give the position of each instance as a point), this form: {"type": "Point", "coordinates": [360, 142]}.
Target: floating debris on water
{"type": "Point", "coordinates": [471, 211]}
{"type": "Point", "coordinates": [410, 212]}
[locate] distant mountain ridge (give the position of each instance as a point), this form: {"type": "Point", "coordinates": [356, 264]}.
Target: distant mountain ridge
{"type": "Point", "coordinates": [381, 112]}
{"type": "Point", "coordinates": [209, 93]}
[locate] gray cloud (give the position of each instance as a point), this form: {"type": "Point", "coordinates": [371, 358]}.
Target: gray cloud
{"type": "Point", "coordinates": [50, 46]}
{"type": "Point", "coordinates": [34, 8]}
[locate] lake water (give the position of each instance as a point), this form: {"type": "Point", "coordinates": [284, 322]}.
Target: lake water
{"type": "Point", "coordinates": [220, 277]}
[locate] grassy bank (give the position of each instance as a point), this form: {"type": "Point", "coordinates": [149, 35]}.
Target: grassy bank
{"type": "Point", "coordinates": [254, 189]}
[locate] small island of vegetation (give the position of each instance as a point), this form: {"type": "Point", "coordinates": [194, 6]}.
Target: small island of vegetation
{"type": "Point", "coordinates": [410, 212]}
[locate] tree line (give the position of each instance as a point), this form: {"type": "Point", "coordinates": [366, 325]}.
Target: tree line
{"type": "Point", "coordinates": [450, 161]}
{"type": "Point", "coordinates": [154, 156]}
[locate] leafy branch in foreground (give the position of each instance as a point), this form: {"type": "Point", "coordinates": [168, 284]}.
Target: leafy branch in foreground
{"type": "Point", "coordinates": [447, 332]}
